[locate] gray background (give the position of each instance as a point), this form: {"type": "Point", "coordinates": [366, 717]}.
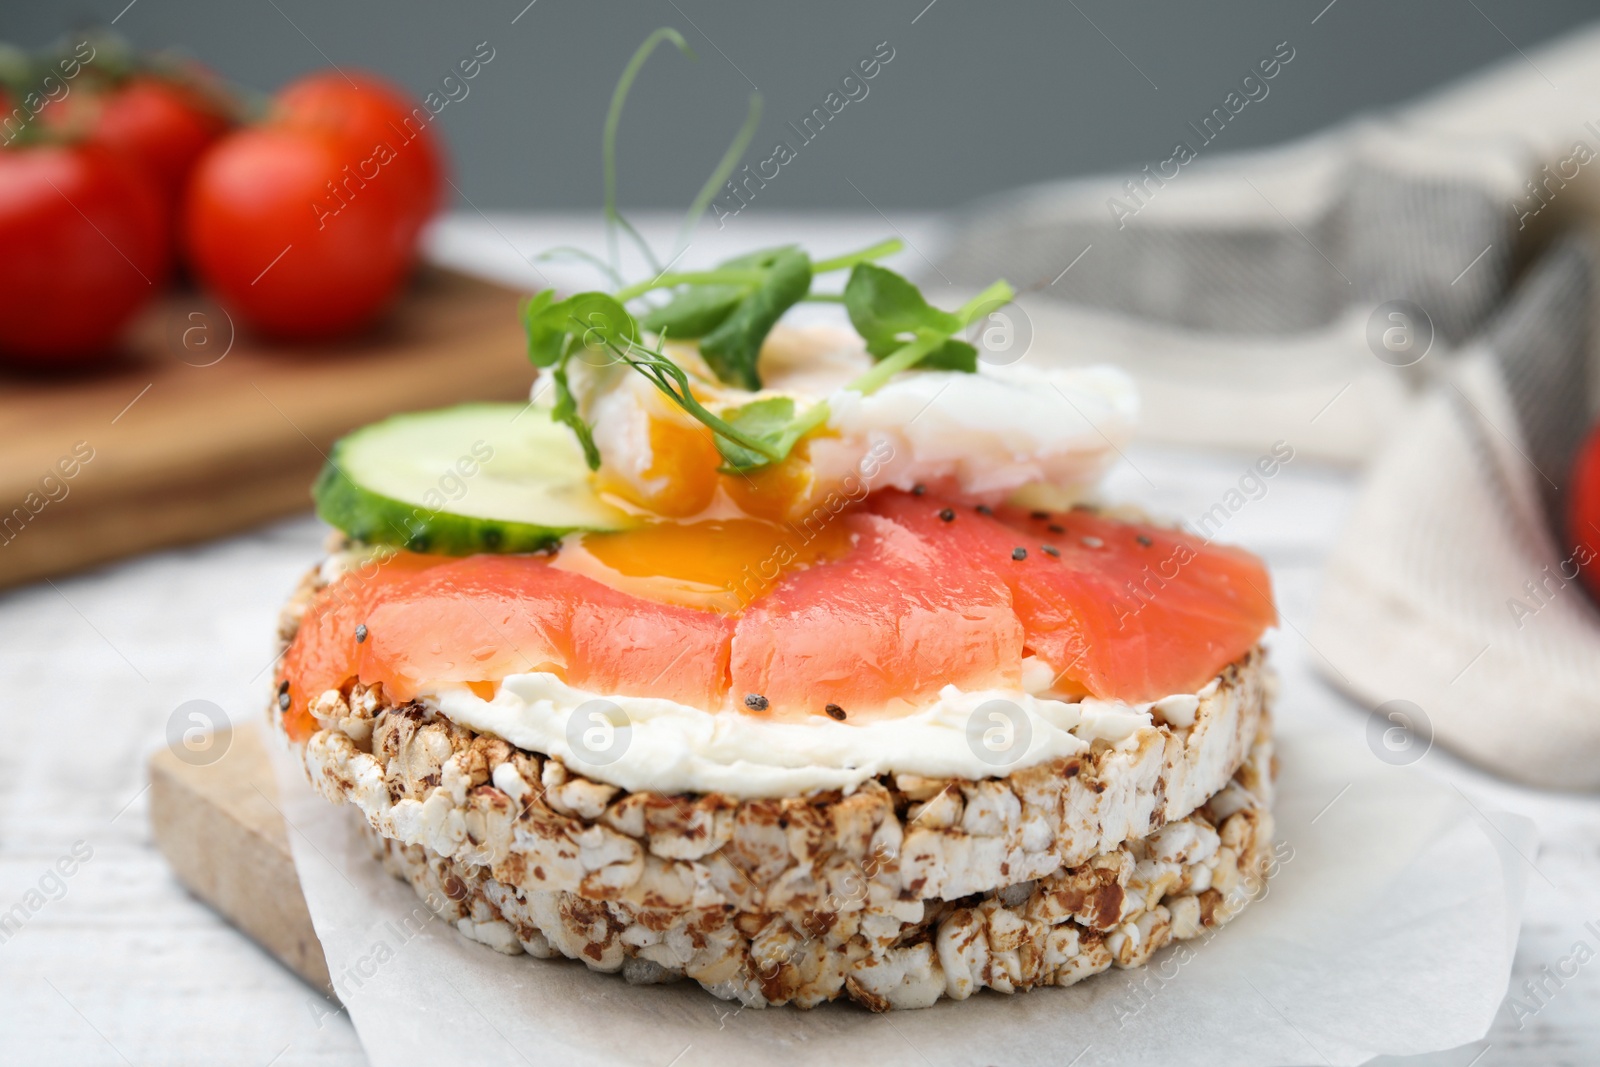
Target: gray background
{"type": "Point", "coordinates": [979, 96]}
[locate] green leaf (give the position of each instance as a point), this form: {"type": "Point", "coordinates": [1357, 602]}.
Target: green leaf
{"type": "Point", "coordinates": [760, 259]}
{"type": "Point", "coordinates": [952, 355]}
{"type": "Point", "coordinates": [732, 349]}
{"type": "Point", "coordinates": [694, 312]}
{"type": "Point", "coordinates": [546, 338]}
{"type": "Point", "coordinates": [565, 410]}
{"type": "Point", "coordinates": [698, 308]}
{"type": "Point", "coordinates": [768, 421]}
{"type": "Point", "coordinates": [593, 320]}
{"type": "Point", "coordinates": [598, 320]}
{"type": "Point", "coordinates": [559, 328]}
{"type": "Point", "coordinates": [887, 310]}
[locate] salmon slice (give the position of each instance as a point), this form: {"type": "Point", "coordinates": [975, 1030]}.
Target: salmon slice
{"type": "Point", "coordinates": [1120, 610]}
{"type": "Point", "coordinates": [1124, 611]}
{"type": "Point", "coordinates": [481, 618]}
{"type": "Point", "coordinates": [325, 649]}
{"type": "Point", "coordinates": [882, 628]}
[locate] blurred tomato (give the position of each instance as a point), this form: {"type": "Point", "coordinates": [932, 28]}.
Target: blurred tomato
{"type": "Point", "coordinates": [286, 242]}
{"type": "Point", "coordinates": [385, 138]}
{"type": "Point", "coordinates": [86, 244]}
{"type": "Point", "coordinates": [161, 123]}
{"type": "Point", "coordinates": [1583, 512]}
{"type": "Point", "coordinates": [70, 118]}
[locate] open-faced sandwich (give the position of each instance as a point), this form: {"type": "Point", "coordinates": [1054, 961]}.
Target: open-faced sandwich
{"type": "Point", "coordinates": [795, 662]}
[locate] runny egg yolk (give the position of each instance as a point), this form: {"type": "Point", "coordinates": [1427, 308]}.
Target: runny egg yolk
{"type": "Point", "coordinates": [685, 473]}
{"type": "Point", "coordinates": [682, 477]}
{"type": "Point", "coordinates": [771, 492]}
{"type": "Point", "coordinates": [693, 548]}
{"type": "Point", "coordinates": [715, 565]}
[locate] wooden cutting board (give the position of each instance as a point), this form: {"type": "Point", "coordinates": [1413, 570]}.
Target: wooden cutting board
{"type": "Point", "coordinates": [206, 431]}
{"type": "Point", "coordinates": [219, 826]}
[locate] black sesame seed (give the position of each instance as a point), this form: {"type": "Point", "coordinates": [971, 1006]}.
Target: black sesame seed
{"type": "Point", "coordinates": [916, 490]}
{"type": "Point", "coordinates": [755, 701]}
{"type": "Point", "coordinates": [1041, 515]}
{"type": "Point", "coordinates": [947, 515]}
{"type": "Point", "coordinates": [283, 697]}
{"type": "Point", "coordinates": [1143, 540]}
{"type": "Point", "coordinates": [1019, 553]}
{"type": "Point", "coordinates": [984, 509]}
{"type": "Point", "coordinates": [361, 633]}
{"type": "Point", "coordinates": [1056, 527]}
{"type": "Point", "coordinates": [835, 712]}
{"type": "Point", "coordinates": [1050, 550]}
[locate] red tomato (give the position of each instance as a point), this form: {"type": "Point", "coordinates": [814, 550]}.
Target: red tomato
{"type": "Point", "coordinates": [162, 124]}
{"type": "Point", "coordinates": [86, 245]}
{"type": "Point", "coordinates": [71, 117]}
{"type": "Point", "coordinates": [286, 241]}
{"type": "Point", "coordinates": [1583, 512]}
{"type": "Point", "coordinates": [386, 137]}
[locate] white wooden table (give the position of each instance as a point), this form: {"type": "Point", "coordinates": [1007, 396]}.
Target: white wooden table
{"type": "Point", "coordinates": [117, 964]}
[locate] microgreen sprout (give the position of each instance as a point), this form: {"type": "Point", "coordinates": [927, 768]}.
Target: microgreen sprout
{"type": "Point", "coordinates": [729, 310]}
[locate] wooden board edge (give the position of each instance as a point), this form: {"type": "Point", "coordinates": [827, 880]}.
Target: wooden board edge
{"type": "Point", "coordinates": [218, 827]}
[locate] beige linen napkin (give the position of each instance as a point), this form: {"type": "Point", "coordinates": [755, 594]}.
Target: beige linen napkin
{"type": "Point", "coordinates": [1451, 598]}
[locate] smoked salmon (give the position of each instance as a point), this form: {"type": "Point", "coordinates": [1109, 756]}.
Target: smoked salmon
{"type": "Point", "coordinates": [928, 593]}
{"type": "Point", "coordinates": [481, 618]}
{"type": "Point", "coordinates": [887, 625]}
{"type": "Point", "coordinates": [1127, 611]}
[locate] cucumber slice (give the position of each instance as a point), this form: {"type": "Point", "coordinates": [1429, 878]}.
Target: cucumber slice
{"type": "Point", "coordinates": [461, 480]}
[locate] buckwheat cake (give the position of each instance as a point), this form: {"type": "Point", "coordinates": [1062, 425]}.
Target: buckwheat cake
{"type": "Point", "coordinates": [795, 662]}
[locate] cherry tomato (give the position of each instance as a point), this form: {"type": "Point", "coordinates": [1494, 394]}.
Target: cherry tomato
{"type": "Point", "coordinates": [287, 241]}
{"type": "Point", "coordinates": [163, 124]}
{"type": "Point", "coordinates": [1583, 512]}
{"type": "Point", "coordinates": [387, 139]}
{"type": "Point", "coordinates": [86, 245]}
{"type": "Point", "coordinates": [71, 117]}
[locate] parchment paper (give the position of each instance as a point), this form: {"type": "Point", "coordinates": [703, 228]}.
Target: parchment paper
{"type": "Point", "coordinates": [1388, 927]}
